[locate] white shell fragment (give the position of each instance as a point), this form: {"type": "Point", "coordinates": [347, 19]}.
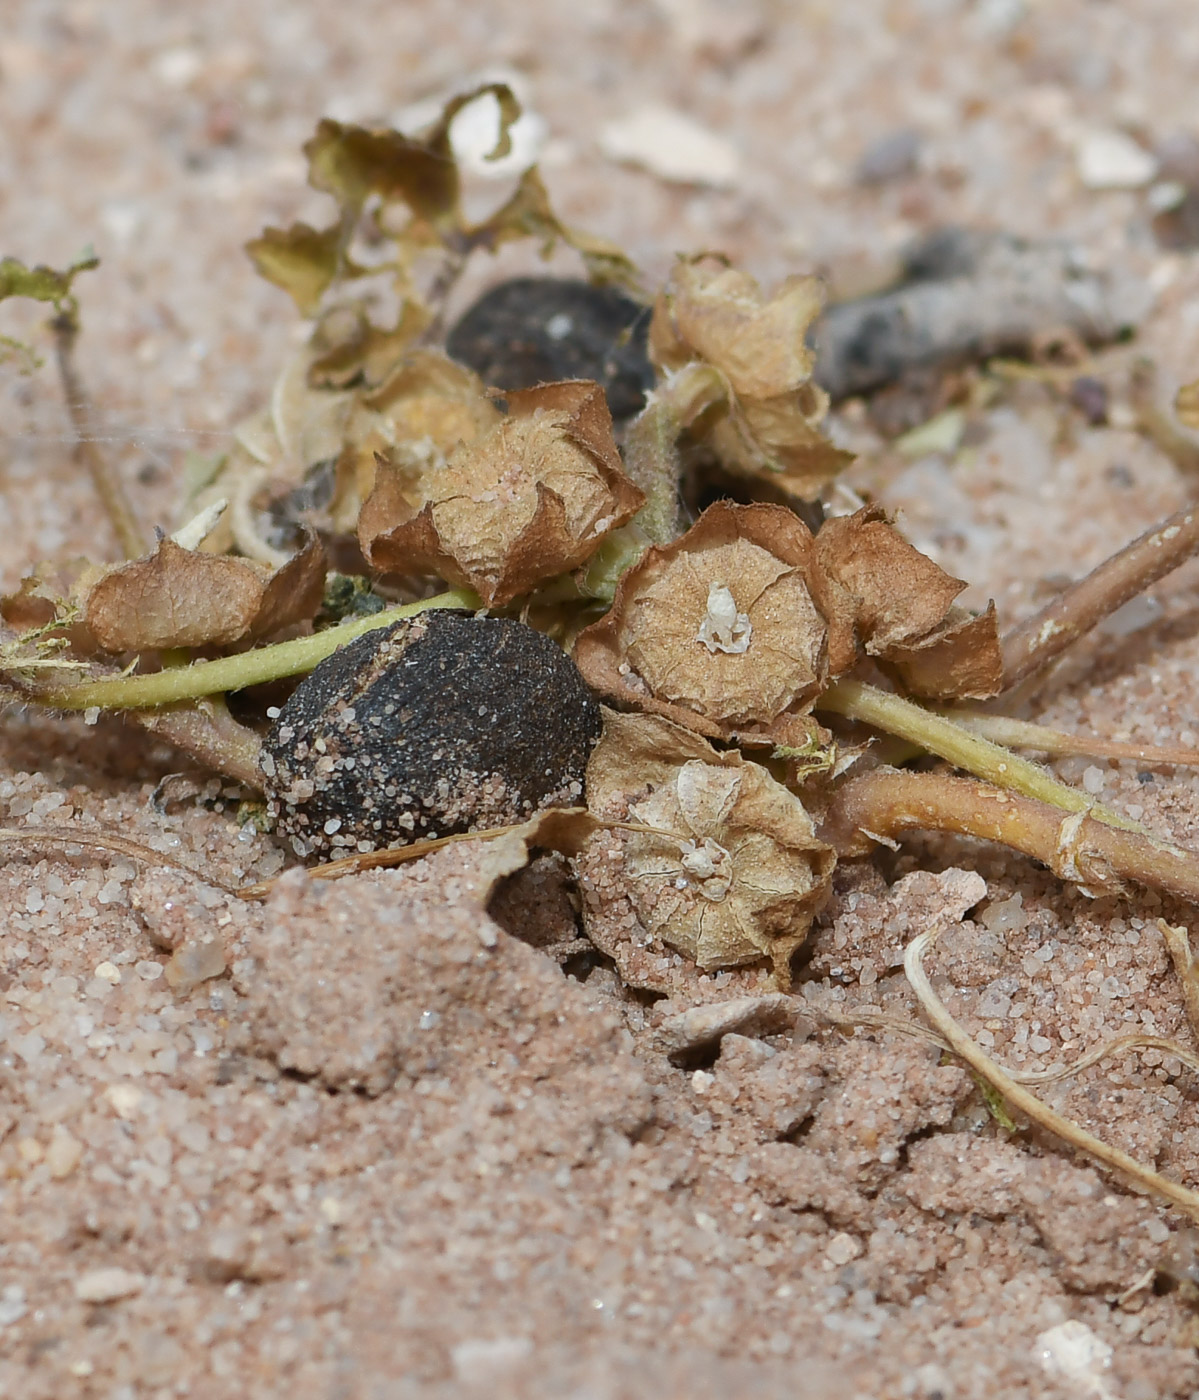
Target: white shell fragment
{"type": "Point", "coordinates": [1109, 160]}
{"type": "Point", "coordinates": [724, 628]}
{"type": "Point", "coordinates": [670, 145]}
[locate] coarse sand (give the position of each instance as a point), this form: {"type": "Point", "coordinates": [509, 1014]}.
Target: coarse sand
{"type": "Point", "coordinates": [400, 1149]}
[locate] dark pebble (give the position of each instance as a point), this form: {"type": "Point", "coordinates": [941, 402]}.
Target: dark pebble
{"type": "Point", "coordinates": [535, 330]}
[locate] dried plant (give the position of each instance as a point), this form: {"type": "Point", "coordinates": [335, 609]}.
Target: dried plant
{"type": "Point", "coordinates": [716, 798]}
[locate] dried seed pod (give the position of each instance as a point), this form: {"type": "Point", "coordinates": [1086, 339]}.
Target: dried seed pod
{"type": "Point", "coordinates": [724, 630]}
{"type": "Point", "coordinates": [442, 723]}
{"type": "Point", "coordinates": [769, 425]}
{"type": "Point", "coordinates": [529, 499]}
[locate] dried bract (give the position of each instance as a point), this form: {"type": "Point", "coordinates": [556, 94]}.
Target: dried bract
{"type": "Point", "coordinates": [176, 597]}
{"type": "Point", "coordinates": [526, 501]}
{"type": "Point", "coordinates": [768, 424]}
{"type": "Point", "coordinates": [721, 631]}
{"type": "Point", "coordinates": [733, 871]}
{"type": "Point", "coordinates": [901, 605]}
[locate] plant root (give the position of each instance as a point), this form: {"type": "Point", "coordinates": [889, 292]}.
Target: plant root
{"type": "Point", "coordinates": [1027, 1103]}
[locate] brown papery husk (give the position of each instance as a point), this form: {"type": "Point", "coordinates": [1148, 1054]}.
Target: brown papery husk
{"type": "Point", "coordinates": [177, 597]}
{"type": "Point", "coordinates": [527, 501]}
{"type": "Point", "coordinates": [646, 652]}
{"type": "Point", "coordinates": [771, 873]}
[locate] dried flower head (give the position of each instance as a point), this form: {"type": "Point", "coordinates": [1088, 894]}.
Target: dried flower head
{"type": "Point", "coordinates": [768, 424]}
{"type": "Point", "coordinates": [733, 871]}
{"type": "Point", "coordinates": [722, 630]}
{"type": "Point", "coordinates": [526, 501]}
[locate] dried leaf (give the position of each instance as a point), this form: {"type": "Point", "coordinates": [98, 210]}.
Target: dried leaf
{"type": "Point", "coordinates": [529, 214]}
{"type": "Point", "coordinates": [898, 593]}
{"type": "Point", "coordinates": [710, 311]}
{"type": "Point", "coordinates": [960, 660]}
{"type": "Point", "coordinates": [903, 610]}
{"type": "Point", "coordinates": [722, 630]}
{"type": "Point", "coordinates": [42, 283]}
{"type": "Point", "coordinates": [769, 424]}
{"type": "Point", "coordinates": [175, 597]}
{"type": "Point", "coordinates": [303, 261]}
{"type": "Point", "coordinates": [528, 500]}
{"type": "Point", "coordinates": [353, 163]}
{"type": "Point", "coordinates": [1186, 405]}
{"type": "Point", "coordinates": [733, 871]}
{"type": "Point", "coordinates": [349, 348]}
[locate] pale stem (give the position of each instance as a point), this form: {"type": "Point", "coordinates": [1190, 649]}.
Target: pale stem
{"type": "Point", "coordinates": [938, 735]}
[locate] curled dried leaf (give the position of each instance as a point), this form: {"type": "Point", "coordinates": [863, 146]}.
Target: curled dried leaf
{"type": "Point", "coordinates": [733, 871]}
{"type": "Point", "coordinates": [903, 613]}
{"type": "Point", "coordinates": [176, 597]}
{"type": "Point", "coordinates": [722, 631]}
{"type": "Point", "coordinates": [530, 499]}
{"type": "Point", "coordinates": [304, 261]}
{"type": "Point", "coordinates": [769, 422]}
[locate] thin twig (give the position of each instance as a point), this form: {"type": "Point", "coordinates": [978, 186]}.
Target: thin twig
{"type": "Point", "coordinates": [104, 476]}
{"type": "Point", "coordinates": [1026, 1102]}
{"type": "Point", "coordinates": [1032, 645]}
{"type": "Point", "coordinates": [1021, 734]}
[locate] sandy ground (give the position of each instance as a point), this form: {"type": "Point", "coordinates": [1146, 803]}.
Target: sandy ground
{"type": "Point", "coordinates": [396, 1151]}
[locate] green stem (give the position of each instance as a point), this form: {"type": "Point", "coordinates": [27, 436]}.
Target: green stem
{"type": "Point", "coordinates": [651, 454]}
{"type": "Point", "coordinates": [236, 672]}
{"type": "Point", "coordinates": [936, 734]}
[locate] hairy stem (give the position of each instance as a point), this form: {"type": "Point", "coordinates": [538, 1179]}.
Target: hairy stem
{"type": "Point", "coordinates": [651, 454]}
{"type": "Point", "coordinates": [936, 734]}
{"type": "Point", "coordinates": [886, 803]}
{"type": "Point", "coordinates": [1040, 640]}
{"type": "Point", "coordinates": [236, 672]}
{"type": "Point", "coordinates": [105, 478]}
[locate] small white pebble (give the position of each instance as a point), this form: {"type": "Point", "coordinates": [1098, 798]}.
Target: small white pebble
{"type": "Point", "coordinates": [35, 902]}
{"type": "Point", "coordinates": [124, 1098]}
{"type": "Point", "coordinates": [63, 1154]}
{"type": "Point", "coordinates": [1093, 780]}
{"type": "Point", "coordinates": [108, 972]}
{"type": "Point", "coordinates": [12, 1304]}
{"type": "Point", "coordinates": [107, 1285]}
{"type": "Point", "coordinates": [842, 1248]}
{"type": "Point", "coordinates": [92, 714]}
{"type": "Point", "coordinates": [148, 970]}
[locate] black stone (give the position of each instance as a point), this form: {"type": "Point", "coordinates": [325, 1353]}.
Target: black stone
{"type": "Point", "coordinates": [439, 724]}
{"type": "Point", "coordinates": [534, 330]}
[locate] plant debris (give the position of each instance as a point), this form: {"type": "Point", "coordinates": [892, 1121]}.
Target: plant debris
{"type": "Point", "coordinates": [505, 530]}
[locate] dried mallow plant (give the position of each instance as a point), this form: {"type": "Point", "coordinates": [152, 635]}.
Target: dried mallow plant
{"type": "Point", "coordinates": [765, 671]}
